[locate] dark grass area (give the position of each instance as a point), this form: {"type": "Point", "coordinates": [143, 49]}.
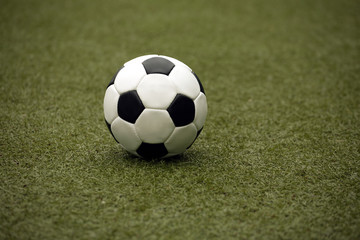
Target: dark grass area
{"type": "Point", "coordinates": [278, 157]}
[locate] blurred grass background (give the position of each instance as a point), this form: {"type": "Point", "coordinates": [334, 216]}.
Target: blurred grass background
{"type": "Point", "coordinates": [279, 154]}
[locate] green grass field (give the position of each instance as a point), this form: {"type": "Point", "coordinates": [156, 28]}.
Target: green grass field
{"type": "Point", "coordinates": [279, 156]}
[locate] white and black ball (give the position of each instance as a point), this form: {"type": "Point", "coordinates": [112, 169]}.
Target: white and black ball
{"type": "Point", "coordinates": [155, 106]}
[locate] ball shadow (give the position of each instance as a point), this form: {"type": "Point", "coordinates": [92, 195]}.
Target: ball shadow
{"type": "Point", "coordinates": [119, 156]}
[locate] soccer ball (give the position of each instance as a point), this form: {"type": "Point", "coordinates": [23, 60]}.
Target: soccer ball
{"type": "Point", "coordinates": [155, 106]}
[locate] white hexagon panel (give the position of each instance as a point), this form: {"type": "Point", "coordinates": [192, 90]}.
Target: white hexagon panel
{"type": "Point", "coordinates": [185, 82]}
{"type": "Point", "coordinates": [154, 126]}
{"type": "Point", "coordinates": [200, 111]}
{"type": "Point", "coordinates": [181, 138]}
{"type": "Point", "coordinates": [129, 77]}
{"type": "Point", "coordinates": [125, 133]}
{"type": "Point", "coordinates": [156, 91]}
{"type": "Point", "coordinates": [110, 104]}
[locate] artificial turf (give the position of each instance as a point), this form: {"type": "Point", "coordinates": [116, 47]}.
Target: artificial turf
{"type": "Point", "coordinates": [279, 154]}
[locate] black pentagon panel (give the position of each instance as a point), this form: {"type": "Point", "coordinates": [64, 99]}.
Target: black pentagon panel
{"type": "Point", "coordinates": [149, 151]}
{"type": "Point", "coordinates": [158, 65]}
{"type": "Point", "coordinates": [109, 127]}
{"type": "Point", "coordinates": [130, 106]}
{"type": "Point", "coordinates": [201, 86]}
{"type": "Point", "coordinates": [182, 110]}
{"type": "Point", "coordinates": [198, 133]}
{"type": "Point", "coordinates": [113, 79]}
